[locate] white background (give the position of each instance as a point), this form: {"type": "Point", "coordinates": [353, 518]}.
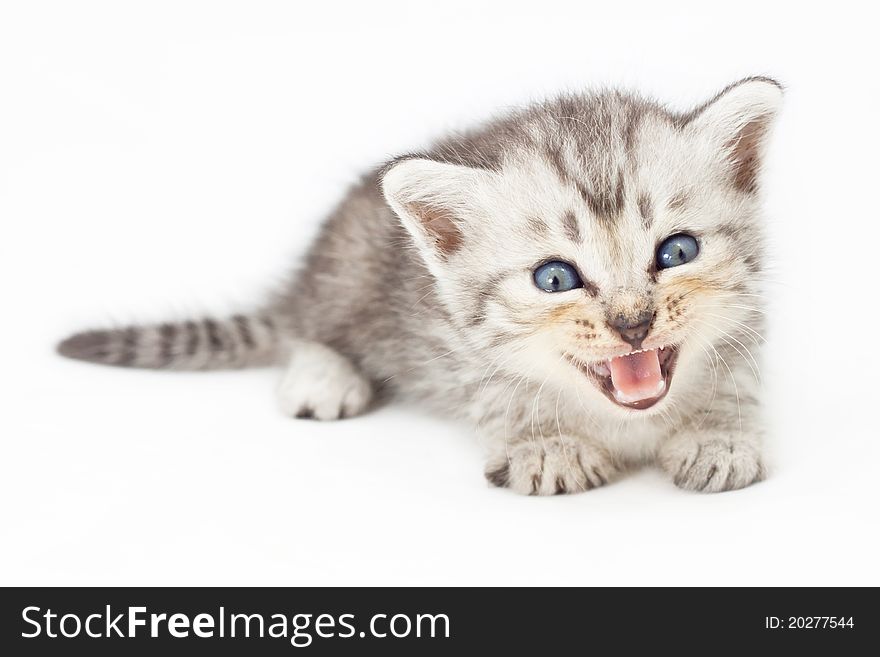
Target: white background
{"type": "Point", "coordinates": [163, 158]}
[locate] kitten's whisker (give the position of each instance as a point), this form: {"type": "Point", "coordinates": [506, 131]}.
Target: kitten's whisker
{"type": "Point", "coordinates": [735, 387]}
{"type": "Point", "coordinates": [751, 361]}
{"type": "Point", "coordinates": [712, 362]}
{"type": "Point", "coordinates": [506, 415]}
{"type": "Point", "coordinates": [480, 387]}
{"type": "Point", "coordinates": [753, 309]}
{"type": "Point", "coordinates": [756, 337]}
{"type": "Point", "coordinates": [586, 411]}
{"type": "Point", "coordinates": [565, 445]}
{"type": "Point", "coordinates": [667, 419]}
{"type": "Point", "coordinates": [738, 327]}
{"type": "Point", "coordinates": [534, 412]}
{"type": "Point", "coordinates": [420, 299]}
{"type": "Point", "coordinates": [427, 362]}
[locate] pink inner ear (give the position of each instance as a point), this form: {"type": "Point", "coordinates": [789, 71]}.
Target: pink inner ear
{"type": "Point", "coordinates": [746, 153]}
{"type": "Point", "coordinates": [440, 226]}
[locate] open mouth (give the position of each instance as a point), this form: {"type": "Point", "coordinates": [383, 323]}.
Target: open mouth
{"type": "Point", "coordinates": [636, 380]}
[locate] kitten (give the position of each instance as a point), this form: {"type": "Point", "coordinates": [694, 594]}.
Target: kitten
{"type": "Point", "coordinates": [580, 279]}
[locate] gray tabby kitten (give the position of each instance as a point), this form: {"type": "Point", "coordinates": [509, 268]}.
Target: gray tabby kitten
{"type": "Point", "coordinates": [580, 279]}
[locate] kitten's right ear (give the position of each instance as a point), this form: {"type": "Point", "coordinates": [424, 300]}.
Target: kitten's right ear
{"type": "Point", "coordinates": [738, 120]}
{"type": "Point", "coordinates": [434, 201]}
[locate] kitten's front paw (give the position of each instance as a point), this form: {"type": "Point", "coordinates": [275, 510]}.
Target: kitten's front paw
{"type": "Point", "coordinates": [712, 462]}
{"type": "Point", "coordinates": [321, 384]}
{"type": "Point", "coordinates": [551, 466]}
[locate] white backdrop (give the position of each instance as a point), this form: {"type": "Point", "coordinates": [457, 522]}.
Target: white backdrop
{"type": "Point", "coordinates": [163, 158]}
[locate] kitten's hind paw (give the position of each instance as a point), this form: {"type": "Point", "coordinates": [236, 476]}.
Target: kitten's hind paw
{"type": "Point", "coordinates": [322, 384]}
{"type": "Point", "coordinates": [551, 466]}
{"type": "Point", "coordinates": [712, 463]}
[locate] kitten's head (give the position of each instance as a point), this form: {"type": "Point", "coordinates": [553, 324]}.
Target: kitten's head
{"type": "Point", "coordinates": [598, 241]}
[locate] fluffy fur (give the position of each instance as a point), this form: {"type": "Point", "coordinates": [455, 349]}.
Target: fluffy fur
{"type": "Point", "coordinates": [420, 286]}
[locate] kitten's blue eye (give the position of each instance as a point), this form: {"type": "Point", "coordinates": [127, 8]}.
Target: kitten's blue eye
{"type": "Point", "coordinates": [557, 276]}
{"type": "Point", "coordinates": [677, 250]}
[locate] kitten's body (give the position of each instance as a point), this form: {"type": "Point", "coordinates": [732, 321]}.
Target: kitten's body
{"type": "Point", "coordinates": [420, 286]}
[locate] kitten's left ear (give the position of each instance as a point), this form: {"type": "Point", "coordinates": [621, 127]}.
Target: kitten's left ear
{"type": "Point", "coordinates": [738, 120]}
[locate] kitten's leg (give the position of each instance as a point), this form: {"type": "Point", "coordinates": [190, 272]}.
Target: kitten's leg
{"type": "Point", "coordinates": [719, 448]}
{"type": "Point", "coordinates": [322, 384]}
{"type": "Point", "coordinates": [532, 450]}
{"type": "Point", "coordinates": [551, 466]}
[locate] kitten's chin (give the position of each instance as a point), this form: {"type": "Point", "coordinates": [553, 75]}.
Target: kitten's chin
{"type": "Point", "coordinates": [635, 381]}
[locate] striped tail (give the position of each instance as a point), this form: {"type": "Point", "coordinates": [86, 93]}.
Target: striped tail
{"type": "Point", "coordinates": [240, 341]}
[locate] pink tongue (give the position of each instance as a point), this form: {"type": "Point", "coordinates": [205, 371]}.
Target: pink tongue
{"type": "Point", "coordinates": [637, 376]}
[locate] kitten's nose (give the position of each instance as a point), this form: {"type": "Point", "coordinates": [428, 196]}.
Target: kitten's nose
{"type": "Point", "coordinates": [633, 328]}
